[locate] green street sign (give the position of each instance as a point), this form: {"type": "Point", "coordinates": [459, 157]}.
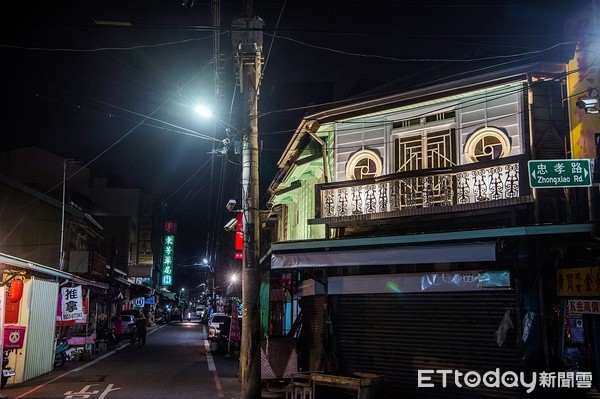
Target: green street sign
{"type": "Point", "coordinates": [556, 173]}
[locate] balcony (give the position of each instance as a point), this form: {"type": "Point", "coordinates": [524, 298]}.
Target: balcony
{"type": "Point", "coordinates": [475, 186]}
{"type": "Point", "coordinates": [86, 262]}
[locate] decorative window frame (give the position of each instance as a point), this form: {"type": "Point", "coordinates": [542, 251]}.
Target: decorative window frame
{"type": "Point", "coordinates": [359, 156]}
{"type": "Point", "coordinates": [478, 135]}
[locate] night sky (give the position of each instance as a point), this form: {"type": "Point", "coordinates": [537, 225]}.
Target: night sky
{"type": "Point", "coordinates": [120, 97]}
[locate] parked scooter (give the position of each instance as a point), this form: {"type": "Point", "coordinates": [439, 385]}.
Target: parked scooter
{"type": "Point", "coordinates": [60, 353]}
{"type": "Point", "coordinates": [108, 335]}
{"type": "Point", "coordinates": [7, 372]}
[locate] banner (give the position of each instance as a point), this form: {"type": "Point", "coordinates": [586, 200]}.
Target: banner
{"type": "Point", "coordinates": [72, 304]}
{"type": "Point", "coordinates": [235, 335]}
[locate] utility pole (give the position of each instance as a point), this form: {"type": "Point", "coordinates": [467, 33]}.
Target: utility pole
{"type": "Point", "coordinates": [61, 258]}
{"type": "Point", "coordinates": [247, 37]}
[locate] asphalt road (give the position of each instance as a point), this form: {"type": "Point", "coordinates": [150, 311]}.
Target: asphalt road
{"type": "Point", "coordinates": [175, 363]}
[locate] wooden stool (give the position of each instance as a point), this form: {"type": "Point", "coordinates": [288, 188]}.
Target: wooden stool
{"type": "Point", "coordinates": [300, 387]}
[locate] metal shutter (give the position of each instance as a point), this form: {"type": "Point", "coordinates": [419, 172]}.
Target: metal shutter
{"type": "Point", "coordinates": [397, 335]}
{"type": "Point", "coordinates": [310, 343]}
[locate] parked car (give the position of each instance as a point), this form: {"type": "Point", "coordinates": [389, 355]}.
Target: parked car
{"type": "Point", "coordinates": [128, 321]}
{"type": "Point", "coordinates": [128, 325]}
{"type": "Point", "coordinates": [136, 313]}
{"type": "Point", "coordinates": [215, 322]}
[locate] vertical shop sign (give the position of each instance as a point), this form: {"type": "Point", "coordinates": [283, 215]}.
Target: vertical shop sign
{"type": "Point", "coordinates": [170, 228]}
{"type": "Point", "coordinates": [72, 303]}
{"type": "Point", "coordinates": [239, 237]}
{"type": "Point", "coordinates": [167, 262]}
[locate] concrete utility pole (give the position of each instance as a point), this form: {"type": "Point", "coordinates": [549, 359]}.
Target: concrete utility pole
{"type": "Point", "coordinates": [61, 258]}
{"type": "Point", "coordinates": [247, 39]}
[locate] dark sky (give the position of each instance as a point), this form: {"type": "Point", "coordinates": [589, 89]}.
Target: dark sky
{"type": "Point", "coordinates": [121, 97]}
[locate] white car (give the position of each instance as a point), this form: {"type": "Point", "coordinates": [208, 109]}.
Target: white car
{"type": "Point", "coordinates": [128, 321]}
{"type": "Point", "coordinates": [215, 322]}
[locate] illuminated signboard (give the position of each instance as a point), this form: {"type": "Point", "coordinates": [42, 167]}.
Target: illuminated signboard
{"type": "Point", "coordinates": [239, 237]}
{"type": "Point", "coordinates": [170, 227]}
{"type": "Point", "coordinates": [167, 259]}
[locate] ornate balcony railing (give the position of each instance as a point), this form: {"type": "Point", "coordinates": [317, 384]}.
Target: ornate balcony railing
{"type": "Point", "coordinates": [460, 185]}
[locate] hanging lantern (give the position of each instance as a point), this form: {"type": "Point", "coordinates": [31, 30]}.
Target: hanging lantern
{"type": "Point", "coordinates": [15, 292]}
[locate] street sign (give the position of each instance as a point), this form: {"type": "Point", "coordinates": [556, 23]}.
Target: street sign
{"type": "Point", "coordinates": [556, 173]}
{"type": "Point", "coordinates": [139, 302]}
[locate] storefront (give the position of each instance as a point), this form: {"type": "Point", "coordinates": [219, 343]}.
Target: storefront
{"type": "Point", "coordinates": [577, 311]}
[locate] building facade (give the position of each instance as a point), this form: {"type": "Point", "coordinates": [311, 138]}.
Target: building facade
{"type": "Point", "coordinates": [408, 233]}
{"type": "Point", "coordinates": [61, 228]}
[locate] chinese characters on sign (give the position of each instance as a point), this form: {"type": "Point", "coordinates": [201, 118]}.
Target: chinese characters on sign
{"type": "Point", "coordinates": [167, 260]}
{"type": "Point", "coordinates": [560, 173]}
{"type": "Point", "coordinates": [509, 379]}
{"type": "Point", "coordinates": [581, 281]}
{"type": "Point", "coordinates": [587, 306]}
{"type": "Point", "coordinates": [239, 237]}
{"type": "Point", "coordinates": [170, 227]}
{"type": "Point", "coordinates": [72, 303]}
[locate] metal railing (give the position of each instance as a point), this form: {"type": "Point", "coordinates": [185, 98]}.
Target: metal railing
{"type": "Point", "coordinates": [424, 189]}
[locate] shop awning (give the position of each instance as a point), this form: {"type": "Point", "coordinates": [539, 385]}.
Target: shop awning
{"type": "Point", "coordinates": [50, 271]}
{"type": "Point", "coordinates": [90, 283]}
{"type": "Point", "coordinates": [461, 246]}
{"type": "Point", "coordinates": [398, 255]}
{"type": "Point", "coordinates": [28, 265]}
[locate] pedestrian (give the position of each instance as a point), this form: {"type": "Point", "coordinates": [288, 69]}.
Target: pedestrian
{"type": "Point", "coordinates": [119, 329]}
{"type": "Point", "coordinates": [141, 329]}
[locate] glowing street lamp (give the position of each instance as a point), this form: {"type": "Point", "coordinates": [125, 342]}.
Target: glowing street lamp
{"type": "Point", "coordinates": [204, 111]}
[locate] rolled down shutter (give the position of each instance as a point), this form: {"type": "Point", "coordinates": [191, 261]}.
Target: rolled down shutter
{"type": "Point", "coordinates": [397, 335]}
{"type": "Point", "coordinates": [310, 344]}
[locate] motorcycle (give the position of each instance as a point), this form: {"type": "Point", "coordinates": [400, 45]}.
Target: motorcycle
{"type": "Point", "coordinates": [60, 353]}
{"type": "Point", "coordinates": [7, 372]}
{"type": "Point", "coordinates": [108, 335]}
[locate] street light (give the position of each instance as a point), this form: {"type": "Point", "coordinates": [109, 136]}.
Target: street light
{"type": "Point", "coordinates": [206, 263]}
{"type": "Point", "coordinates": [204, 111]}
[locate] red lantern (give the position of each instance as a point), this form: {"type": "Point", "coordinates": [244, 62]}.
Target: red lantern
{"type": "Point", "coordinates": [15, 292]}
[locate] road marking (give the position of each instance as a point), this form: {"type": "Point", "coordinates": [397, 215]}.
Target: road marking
{"type": "Point", "coordinates": [43, 385]}
{"type": "Point", "coordinates": [209, 358]}
{"type": "Point", "coordinates": [213, 368]}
